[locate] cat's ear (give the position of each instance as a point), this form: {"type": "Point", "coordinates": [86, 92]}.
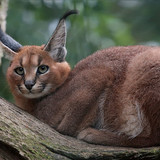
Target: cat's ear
{"type": "Point", "coordinates": [9, 54]}
{"type": "Point", "coordinates": [56, 45]}
{"type": "Point", "coordinates": [9, 45]}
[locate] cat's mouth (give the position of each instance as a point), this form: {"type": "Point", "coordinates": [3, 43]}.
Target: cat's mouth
{"type": "Point", "coordinates": [35, 92]}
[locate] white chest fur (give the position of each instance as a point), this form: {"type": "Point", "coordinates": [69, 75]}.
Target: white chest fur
{"type": "Point", "coordinates": [134, 120]}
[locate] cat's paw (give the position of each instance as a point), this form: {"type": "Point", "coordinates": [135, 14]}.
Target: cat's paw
{"type": "Point", "coordinates": [87, 135]}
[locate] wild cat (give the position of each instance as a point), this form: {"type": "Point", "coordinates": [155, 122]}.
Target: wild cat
{"type": "Point", "coordinates": [112, 97]}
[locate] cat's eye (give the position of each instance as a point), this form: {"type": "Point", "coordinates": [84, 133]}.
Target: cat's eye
{"type": "Point", "coordinates": [42, 69]}
{"type": "Point", "coordinates": [19, 71]}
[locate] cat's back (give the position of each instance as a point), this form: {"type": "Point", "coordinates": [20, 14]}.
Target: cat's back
{"type": "Point", "coordinates": [114, 58]}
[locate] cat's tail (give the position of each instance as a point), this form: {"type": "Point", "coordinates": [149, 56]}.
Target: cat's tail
{"type": "Point", "coordinates": [9, 41]}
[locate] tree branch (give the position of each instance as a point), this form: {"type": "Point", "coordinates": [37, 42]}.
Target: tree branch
{"type": "Point", "coordinates": [3, 15]}
{"type": "Point", "coordinates": [22, 136]}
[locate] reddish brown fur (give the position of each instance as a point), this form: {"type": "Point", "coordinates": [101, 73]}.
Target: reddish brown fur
{"type": "Point", "coordinates": [109, 98]}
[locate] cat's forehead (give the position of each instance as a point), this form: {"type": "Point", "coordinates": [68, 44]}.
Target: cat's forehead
{"type": "Point", "coordinates": [31, 50]}
{"type": "Point", "coordinates": [32, 55]}
{"type": "Point", "coordinates": [33, 59]}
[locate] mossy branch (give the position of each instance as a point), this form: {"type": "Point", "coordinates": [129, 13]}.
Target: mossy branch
{"type": "Point", "coordinates": [22, 136]}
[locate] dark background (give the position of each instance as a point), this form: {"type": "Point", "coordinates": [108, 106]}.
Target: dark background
{"type": "Point", "coordinates": [100, 24]}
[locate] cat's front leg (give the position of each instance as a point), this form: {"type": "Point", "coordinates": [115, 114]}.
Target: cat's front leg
{"type": "Point", "coordinates": [81, 114]}
{"type": "Point", "coordinates": [82, 100]}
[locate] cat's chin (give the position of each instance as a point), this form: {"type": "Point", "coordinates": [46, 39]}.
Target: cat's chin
{"type": "Point", "coordinates": [34, 96]}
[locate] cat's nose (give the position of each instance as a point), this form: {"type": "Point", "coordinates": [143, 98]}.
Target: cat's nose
{"type": "Point", "coordinates": [29, 84]}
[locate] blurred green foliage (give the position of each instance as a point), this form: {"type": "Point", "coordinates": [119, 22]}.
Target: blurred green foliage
{"type": "Point", "coordinates": [100, 24]}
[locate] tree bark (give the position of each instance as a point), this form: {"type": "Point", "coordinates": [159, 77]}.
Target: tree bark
{"type": "Point", "coordinates": [22, 137]}
{"type": "Point", "coordinates": [3, 15]}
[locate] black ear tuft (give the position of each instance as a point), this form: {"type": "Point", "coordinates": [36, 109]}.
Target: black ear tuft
{"type": "Point", "coordinates": [68, 14]}
{"type": "Point", "coordinates": [9, 41]}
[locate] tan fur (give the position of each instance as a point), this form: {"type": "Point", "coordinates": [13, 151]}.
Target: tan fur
{"type": "Point", "coordinates": [28, 57]}
{"type": "Point", "coordinates": [111, 98]}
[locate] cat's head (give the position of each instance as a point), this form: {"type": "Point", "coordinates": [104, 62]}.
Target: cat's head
{"type": "Point", "coordinates": [36, 71]}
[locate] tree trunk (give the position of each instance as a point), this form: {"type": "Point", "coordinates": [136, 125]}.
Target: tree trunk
{"type": "Point", "coordinates": [3, 15]}
{"type": "Point", "coordinates": [22, 137]}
